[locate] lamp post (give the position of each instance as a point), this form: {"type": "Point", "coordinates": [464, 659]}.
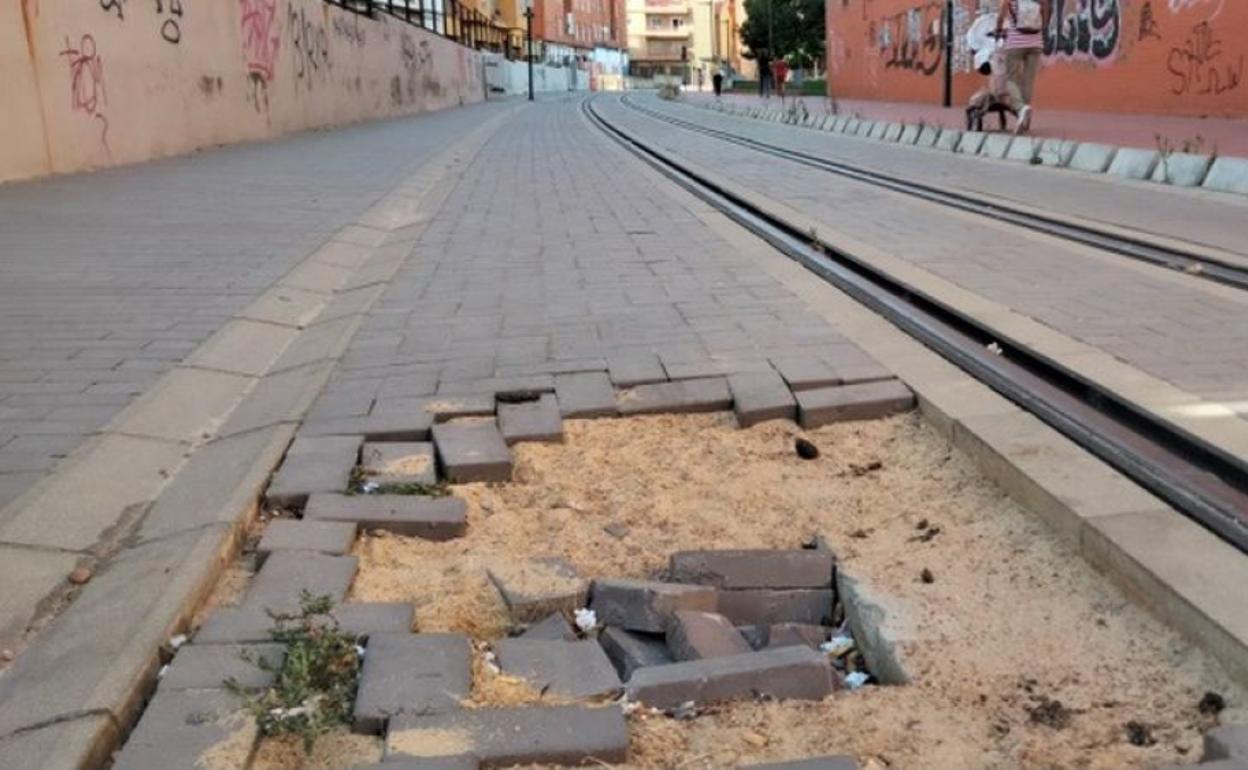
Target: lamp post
{"type": "Point", "coordinates": [528, 41]}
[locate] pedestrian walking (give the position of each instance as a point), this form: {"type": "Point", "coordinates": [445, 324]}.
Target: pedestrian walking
{"type": "Point", "coordinates": [717, 82]}
{"type": "Point", "coordinates": [1022, 22]}
{"type": "Point", "coordinates": [764, 74]}
{"type": "Point", "coordinates": [780, 71]}
{"type": "Point", "coordinates": [998, 93]}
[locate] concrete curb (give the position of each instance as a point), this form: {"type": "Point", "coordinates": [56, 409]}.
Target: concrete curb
{"type": "Point", "coordinates": [176, 477]}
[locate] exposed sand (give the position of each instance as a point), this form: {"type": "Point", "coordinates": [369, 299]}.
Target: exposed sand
{"type": "Point", "coordinates": [337, 750]}
{"type": "Point", "coordinates": [1012, 617]}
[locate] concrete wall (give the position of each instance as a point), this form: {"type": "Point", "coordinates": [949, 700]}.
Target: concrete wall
{"type": "Point", "coordinates": [95, 83]}
{"type": "Point", "coordinates": [1166, 57]}
{"type": "Point", "coordinates": [512, 77]}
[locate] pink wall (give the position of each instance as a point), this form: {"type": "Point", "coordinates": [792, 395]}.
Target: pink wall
{"type": "Point", "coordinates": [96, 83]}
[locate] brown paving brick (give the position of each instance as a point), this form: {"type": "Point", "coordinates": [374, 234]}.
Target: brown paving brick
{"type": "Point", "coordinates": [693, 635]}
{"type": "Point", "coordinates": [208, 666]}
{"type": "Point", "coordinates": [178, 727]}
{"type": "Point", "coordinates": [754, 568]}
{"type": "Point", "coordinates": [286, 574]}
{"type": "Point", "coordinates": [631, 650]}
{"type": "Point", "coordinates": [411, 674]}
{"type": "Point", "coordinates": [784, 673]}
{"type": "Point", "coordinates": [683, 397]}
{"type": "Point", "coordinates": [866, 401]}
{"type": "Point", "coordinates": [761, 396]}
{"type": "Point", "coordinates": [537, 420]}
{"type": "Point", "coordinates": [431, 518]}
{"type": "Point", "coordinates": [472, 450]}
{"type": "Point", "coordinates": [499, 737]}
{"type": "Point", "coordinates": [240, 625]}
{"type": "Point", "coordinates": [399, 462]}
{"type": "Point", "coordinates": [765, 606]}
{"type": "Point", "coordinates": [534, 589]}
{"type": "Point", "coordinates": [644, 605]}
{"type": "Point", "coordinates": [585, 394]}
{"type": "Point", "coordinates": [313, 464]}
{"type": "Point", "coordinates": [330, 537]}
{"type": "Point", "coordinates": [575, 669]}
{"type": "Point", "coordinates": [790, 634]}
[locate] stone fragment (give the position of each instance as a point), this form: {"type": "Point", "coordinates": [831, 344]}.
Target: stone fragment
{"type": "Point", "coordinates": [578, 669]}
{"type": "Point", "coordinates": [534, 589]}
{"type": "Point", "coordinates": [472, 450]}
{"type": "Point", "coordinates": [411, 674]}
{"type": "Point", "coordinates": [683, 397]}
{"type": "Point", "coordinates": [531, 420]}
{"type": "Point", "coordinates": [240, 625]}
{"type": "Point", "coordinates": [431, 518]}
{"type": "Point", "coordinates": [783, 673]}
{"type": "Point", "coordinates": [643, 605]}
{"type": "Point", "coordinates": [556, 626]}
{"type": "Point", "coordinates": [867, 401]}
{"type": "Point", "coordinates": [500, 737]}
{"type": "Point", "coordinates": [732, 569]}
{"type": "Point", "coordinates": [791, 634]}
{"type": "Point", "coordinates": [629, 650]}
{"type": "Point", "coordinates": [585, 394]}
{"type": "Point", "coordinates": [693, 635]}
{"type": "Point", "coordinates": [207, 667]}
{"type": "Point", "coordinates": [835, 762]}
{"type": "Point", "coordinates": [1227, 742]}
{"type": "Point", "coordinates": [768, 607]}
{"type": "Point", "coordinates": [180, 727]}
{"type": "Point", "coordinates": [279, 584]}
{"type": "Point", "coordinates": [761, 396]}
{"type": "Point", "coordinates": [329, 537]}
{"type": "Point", "coordinates": [399, 462]}
{"type": "Point", "coordinates": [313, 464]}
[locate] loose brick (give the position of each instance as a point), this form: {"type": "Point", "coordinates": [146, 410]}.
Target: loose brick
{"type": "Point", "coordinates": [787, 672]}
{"type": "Point", "coordinates": [441, 408]}
{"type": "Point", "coordinates": [683, 397]}
{"type": "Point", "coordinates": [767, 607]}
{"type": "Point", "coordinates": [403, 462]}
{"type": "Point", "coordinates": [411, 674]}
{"type": "Point", "coordinates": [761, 396]}
{"type": "Point", "coordinates": [791, 634]}
{"type": "Point", "coordinates": [431, 518]}
{"type": "Point", "coordinates": [556, 626]}
{"type": "Point", "coordinates": [754, 568]}
{"type": "Point", "coordinates": [536, 588]}
{"type": "Point", "coordinates": [240, 625]}
{"type": "Point", "coordinates": [585, 394]}
{"type": "Point", "coordinates": [642, 605]}
{"type": "Point", "coordinates": [472, 451]}
{"type": "Point", "coordinates": [630, 369]}
{"type": "Point", "coordinates": [500, 737]}
{"type": "Point", "coordinates": [867, 401]}
{"type": "Point", "coordinates": [412, 425]}
{"type": "Point", "coordinates": [1227, 742]}
{"type": "Point", "coordinates": [329, 537]}
{"type": "Point", "coordinates": [578, 669]}
{"type": "Point", "coordinates": [207, 667]}
{"type": "Point", "coordinates": [313, 464]}
{"type": "Point", "coordinates": [813, 763]}
{"type": "Point", "coordinates": [531, 421]}
{"type": "Point", "coordinates": [179, 726]}
{"type": "Point", "coordinates": [287, 574]}
{"type": "Point", "coordinates": [629, 650]}
{"type": "Point", "coordinates": [695, 635]}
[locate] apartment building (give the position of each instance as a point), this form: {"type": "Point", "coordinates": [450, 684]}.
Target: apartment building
{"type": "Point", "coordinates": [689, 40]}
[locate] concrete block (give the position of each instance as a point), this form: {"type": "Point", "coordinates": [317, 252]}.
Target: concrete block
{"type": "Point", "coordinates": [585, 394]}
{"type": "Point", "coordinates": [400, 462]}
{"type": "Point", "coordinates": [501, 737]}
{"type": "Point", "coordinates": [855, 372]}
{"type": "Point", "coordinates": [909, 133]}
{"type": "Point", "coordinates": [866, 401]}
{"type": "Point", "coordinates": [627, 370]}
{"type": "Point", "coordinates": [440, 408]}
{"type": "Point", "coordinates": [1182, 169]}
{"type": "Point", "coordinates": [431, 518]}
{"type": "Point", "coordinates": [471, 450]}
{"type": "Point", "coordinates": [179, 728]}
{"type": "Point", "coordinates": [461, 762]}
{"type": "Point", "coordinates": [970, 142]}
{"type": "Point", "coordinates": [1133, 163]}
{"type": "Point", "coordinates": [683, 397]}
{"type": "Point", "coordinates": [868, 128]}
{"type": "Point", "coordinates": [949, 139]}
{"type": "Point", "coordinates": [1092, 157]}
{"type": "Point", "coordinates": [642, 605]}
{"type": "Point", "coordinates": [927, 136]}
{"type": "Point", "coordinates": [797, 634]}
{"type": "Point", "coordinates": [1226, 742]}
{"type": "Point", "coordinates": [784, 673]}
{"type": "Point", "coordinates": [412, 425]}
{"type": "Point", "coordinates": [1228, 174]}
{"type": "Point", "coordinates": [1024, 149]}
{"type": "Point", "coordinates": [330, 537]}
{"type": "Point", "coordinates": [286, 574]}
{"type": "Point", "coordinates": [996, 145]}
{"type": "Point", "coordinates": [84, 741]}
{"type": "Point", "coordinates": [248, 624]}
{"type": "Point", "coordinates": [767, 607]}
{"type": "Point", "coordinates": [314, 464]}
{"type": "Point", "coordinates": [761, 396]}
{"type": "Point", "coordinates": [1057, 153]}
{"type": "Point", "coordinates": [630, 650]}
{"type": "Point", "coordinates": [805, 372]}
{"type": "Point", "coordinates": [879, 633]}
{"type": "Point", "coordinates": [838, 123]}
{"type": "Point", "coordinates": [411, 674]}
{"type": "Point", "coordinates": [531, 420]}
{"type": "Point", "coordinates": [754, 568]}
{"type": "Point", "coordinates": [556, 626]}
{"type": "Point", "coordinates": [813, 763]}
{"type": "Point", "coordinates": [518, 386]}
{"type": "Point", "coordinates": [892, 132]}
{"type": "Point", "coordinates": [693, 635]}
{"type": "Point", "coordinates": [850, 126]}
{"type": "Point", "coordinates": [208, 666]}
{"type": "Point", "coordinates": [536, 588]}
{"type": "Point", "coordinates": [578, 669]}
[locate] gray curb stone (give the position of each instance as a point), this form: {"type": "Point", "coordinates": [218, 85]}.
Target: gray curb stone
{"type": "Point", "coordinates": [179, 726]}
{"type": "Point", "coordinates": [1092, 157]}
{"type": "Point", "coordinates": [971, 142]}
{"type": "Point", "coordinates": [1131, 163]}
{"type": "Point", "coordinates": [996, 145]}
{"type": "Point", "coordinates": [431, 518]}
{"type": "Point", "coordinates": [949, 139]}
{"type": "Point", "coordinates": [1228, 175]}
{"type": "Point", "coordinates": [1182, 169]}
{"type": "Point", "coordinates": [1024, 149]}
{"type": "Point", "coordinates": [1056, 153]}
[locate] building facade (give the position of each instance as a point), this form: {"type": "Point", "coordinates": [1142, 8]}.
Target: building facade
{"type": "Point", "coordinates": [585, 34]}
{"type": "Point", "coordinates": [685, 40]}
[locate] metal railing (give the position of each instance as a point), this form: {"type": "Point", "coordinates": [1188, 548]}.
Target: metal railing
{"type": "Point", "coordinates": [449, 18]}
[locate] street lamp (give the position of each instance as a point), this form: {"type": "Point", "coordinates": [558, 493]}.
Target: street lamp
{"type": "Point", "coordinates": [528, 41]}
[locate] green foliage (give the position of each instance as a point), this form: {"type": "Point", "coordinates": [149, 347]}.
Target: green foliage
{"type": "Point", "coordinates": [792, 30]}
{"type": "Point", "coordinates": [314, 688]}
{"type": "Point", "coordinates": [355, 486]}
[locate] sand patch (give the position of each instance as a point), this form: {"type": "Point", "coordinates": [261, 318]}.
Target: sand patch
{"type": "Point", "coordinates": [431, 742]}
{"type": "Point", "coordinates": [336, 750]}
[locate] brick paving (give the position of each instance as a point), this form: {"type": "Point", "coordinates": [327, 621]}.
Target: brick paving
{"type": "Point", "coordinates": [107, 280]}
{"type": "Point", "coordinates": [1185, 334]}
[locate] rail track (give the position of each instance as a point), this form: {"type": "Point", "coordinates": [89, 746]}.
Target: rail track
{"type": "Point", "coordinates": [1200, 480]}
{"type": "Point", "coordinates": [1201, 265]}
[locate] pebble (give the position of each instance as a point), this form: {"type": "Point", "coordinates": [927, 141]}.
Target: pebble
{"type": "Point", "coordinates": [805, 449]}
{"type": "Point", "coordinates": [926, 576]}
{"type": "Point", "coordinates": [80, 576]}
{"type": "Point", "coordinates": [6, 655]}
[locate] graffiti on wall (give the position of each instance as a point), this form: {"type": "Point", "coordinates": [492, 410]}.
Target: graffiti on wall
{"type": "Point", "coordinates": [115, 6]}
{"type": "Point", "coordinates": [170, 12]}
{"type": "Point", "coordinates": [86, 82]}
{"type": "Point", "coordinates": [262, 39]}
{"type": "Point", "coordinates": [1089, 30]}
{"type": "Point", "coordinates": [309, 47]}
{"type": "Point", "coordinates": [1200, 65]}
{"type": "Point", "coordinates": [1213, 6]}
{"type": "Point", "coordinates": [911, 40]}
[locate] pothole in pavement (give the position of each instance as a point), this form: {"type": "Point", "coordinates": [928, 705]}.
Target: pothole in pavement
{"type": "Point", "coordinates": [990, 644]}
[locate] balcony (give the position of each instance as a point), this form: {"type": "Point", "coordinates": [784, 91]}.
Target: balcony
{"type": "Point", "coordinates": [657, 6]}
{"type": "Point", "coordinates": [669, 33]}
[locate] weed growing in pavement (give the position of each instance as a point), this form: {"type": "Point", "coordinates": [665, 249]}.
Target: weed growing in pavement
{"type": "Point", "coordinates": [1166, 147]}
{"type": "Point", "coordinates": [314, 688]}
{"type": "Point", "coordinates": [360, 484]}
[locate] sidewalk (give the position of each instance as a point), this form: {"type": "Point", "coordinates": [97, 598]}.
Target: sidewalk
{"type": "Point", "coordinates": [1221, 136]}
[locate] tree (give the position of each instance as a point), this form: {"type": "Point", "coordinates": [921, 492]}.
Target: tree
{"type": "Point", "coordinates": [792, 30]}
